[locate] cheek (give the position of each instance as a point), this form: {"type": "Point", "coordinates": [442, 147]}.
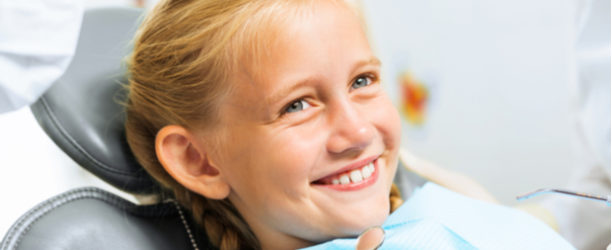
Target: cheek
{"type": "Point", "coordinates": [266, 158]}
{"type": "Point", "coordinates": [290, 153]}
{"type": "Point", "coordinates": [386, 119]}
{"type": "Point", "coordinates": [234, 154]}
{"type": "Point", "coordinates": [393, 126]}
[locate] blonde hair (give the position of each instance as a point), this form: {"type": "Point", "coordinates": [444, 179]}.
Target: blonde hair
{"type": "Point", "coordinates": [183, 57]}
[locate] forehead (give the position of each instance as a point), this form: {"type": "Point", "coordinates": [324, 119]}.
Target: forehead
{"type": "Point", "coordinates": [271, 31]}
{"type": "Point", "coordinates": [323, 32]}
{"type": "Point", "coordinates": [317, 43]}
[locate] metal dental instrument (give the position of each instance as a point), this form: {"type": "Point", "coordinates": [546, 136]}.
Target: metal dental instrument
{"type": "Point", "coordinates": [605, 199]}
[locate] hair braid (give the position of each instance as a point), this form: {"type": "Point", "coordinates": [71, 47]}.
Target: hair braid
{"type": "Point", "coordinates": [395, 198]}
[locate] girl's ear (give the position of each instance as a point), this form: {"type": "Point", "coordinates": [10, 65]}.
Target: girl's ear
{"type": "Point", "coordinates": [188, 163]}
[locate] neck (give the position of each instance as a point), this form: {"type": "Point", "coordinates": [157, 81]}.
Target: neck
{"type": "Point", "coordinates": [268, 237]}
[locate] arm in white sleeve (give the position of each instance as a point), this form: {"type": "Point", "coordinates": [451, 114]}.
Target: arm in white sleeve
{"type": "Point", "coordinates": [585, 223]}
{"type": "Point", "coordinates": [37, 41]}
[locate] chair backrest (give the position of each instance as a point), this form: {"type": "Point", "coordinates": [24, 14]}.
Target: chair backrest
{"type": "Point", "coordinates": [81, 111]}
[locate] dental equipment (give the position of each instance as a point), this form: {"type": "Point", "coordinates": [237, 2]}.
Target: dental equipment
{"type": "Point", "coordinates": [605, 199]}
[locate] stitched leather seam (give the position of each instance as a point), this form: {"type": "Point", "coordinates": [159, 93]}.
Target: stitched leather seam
{"type": "Point", "coordinates": [26, 221]}
{"type": "Point", "coordinates": [24, 224]}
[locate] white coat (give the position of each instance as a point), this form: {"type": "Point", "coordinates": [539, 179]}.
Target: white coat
{"type": "Point", "coordinates": [586, 224]}
{"type": "Point", "coordinates": [37, 41]}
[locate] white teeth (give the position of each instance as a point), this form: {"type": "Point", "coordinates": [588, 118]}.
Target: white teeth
{"type": "Point", "coordinates": [366, 172]}
{"type": "Point", "coordinates": [344, 179]}
{"type": "Point", "coordinates": [356, 176]}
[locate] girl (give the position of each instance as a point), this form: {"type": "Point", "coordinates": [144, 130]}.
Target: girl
{"type": "Point", "coordinates": [266, 118]}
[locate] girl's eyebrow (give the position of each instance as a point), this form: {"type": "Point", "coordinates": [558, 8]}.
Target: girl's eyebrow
{"type": "Point", "coordinates": [372, 61]}
{"type": "Point", "coordinates": [287, 89]}
{"type": "Point", "coordinates": [284, 91]}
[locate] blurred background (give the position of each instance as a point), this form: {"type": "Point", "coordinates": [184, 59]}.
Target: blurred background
{"type": "Point", "coordinates": [485, 88]}
{"type": "Point", "coordinates": [494, 80]}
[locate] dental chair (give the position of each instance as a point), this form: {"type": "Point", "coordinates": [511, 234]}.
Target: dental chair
{"type": "Point", "coordinates": [82, 116]}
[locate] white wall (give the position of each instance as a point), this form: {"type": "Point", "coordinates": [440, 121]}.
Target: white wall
{"type": "Point", "coordinates": [499, 75]}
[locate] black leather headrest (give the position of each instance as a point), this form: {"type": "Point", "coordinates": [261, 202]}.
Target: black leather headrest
{"type": "Point", "coordinates": [90, 218]}
{"type": "Point", "coordinates": [81, 112]}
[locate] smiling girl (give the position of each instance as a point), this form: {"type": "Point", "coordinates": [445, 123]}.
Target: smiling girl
{"type": "Point", "coordinates": [267, 119]}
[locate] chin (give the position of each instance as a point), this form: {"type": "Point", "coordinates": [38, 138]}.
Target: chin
{"type": "Point", "coordinates": [366, 217]}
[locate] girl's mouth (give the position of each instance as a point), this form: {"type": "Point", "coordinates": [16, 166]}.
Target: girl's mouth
{"type": "Point", "coordinates": [352, 179]}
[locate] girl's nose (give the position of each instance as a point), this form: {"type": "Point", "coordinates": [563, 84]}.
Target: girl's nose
{"type": "Point", "coordinates": [350, 130]}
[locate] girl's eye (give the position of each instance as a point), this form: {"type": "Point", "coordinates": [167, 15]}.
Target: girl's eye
{"type": "Point", "coordinates": [361, 81]}
{"type": "Point", "coordinates": [297, 106]}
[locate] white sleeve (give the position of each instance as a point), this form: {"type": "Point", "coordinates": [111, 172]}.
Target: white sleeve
{"type": "Point", "coordinates": [585, 223]}
{"type": "Point", "coordinates": [37, 41]}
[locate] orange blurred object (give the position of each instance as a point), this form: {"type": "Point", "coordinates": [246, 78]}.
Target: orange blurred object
{"type": "Point", "coordinates": [414, 96]}
{"type": "Point", "coordinates": [139, 3]}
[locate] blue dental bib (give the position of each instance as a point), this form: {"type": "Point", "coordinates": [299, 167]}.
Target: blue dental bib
{"type": "Point", "coordinates": [437, 218]}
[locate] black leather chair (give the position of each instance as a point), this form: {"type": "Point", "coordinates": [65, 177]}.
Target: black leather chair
{"type": "Point", "coordinates": [82, 115]}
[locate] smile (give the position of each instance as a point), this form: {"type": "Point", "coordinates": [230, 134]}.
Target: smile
{"type": "Point", "coordinates": [354, 178]}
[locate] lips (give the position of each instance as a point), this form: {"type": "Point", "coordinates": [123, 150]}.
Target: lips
{"type": "Point", "coordinates": [354, 176]}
